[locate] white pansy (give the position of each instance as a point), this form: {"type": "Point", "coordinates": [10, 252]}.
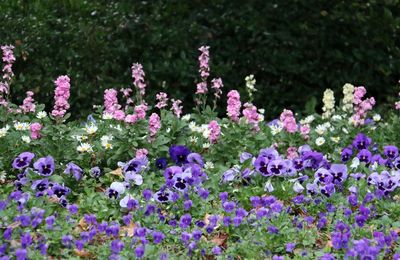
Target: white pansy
{"type": "Point", "coordinates": [105, 141]}
{"type": "Point", "coordinates": [320, 141]}
{"type": "Point", "coordinates": [85, 148]}
{"type": "Point", "coordinates": [41, 115]}
{"type": "Point", "coordinates": [26, 139]}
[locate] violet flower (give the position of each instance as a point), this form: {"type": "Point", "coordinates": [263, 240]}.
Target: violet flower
{"type": "Point", "coordinates": [45, 166]}
{"type": "Point", "coordinates": [23, 160]}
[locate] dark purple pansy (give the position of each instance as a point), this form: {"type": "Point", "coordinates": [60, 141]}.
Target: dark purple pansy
{"type": "Point", "coordinates": [391, 151]}
{"type": "Point", "coordinates": [75, 170]}
{"type": "Point", "coordinates": [361, 141]}
{"type": "Point", "coordinates": [346, 154]}
{"type": "Point", "coordinates": [45, 166]}
{"type": "Point", "coordinates": [23, 160]}
{"type": "Point", "coordinates": [261, 165]}
{"type": "Point", "coordinates": [179, 153]}
{"type": "Point", "coordinates": [364, 156]}
{"type": "Point", "coordinates": [312, 159]}
{"type": "Point", "coordinates": [161, 163]}
{"type": "Point", "coordinates": [40, 185]}
{"type": "Point", "coordinates": [60, 190]}
{"type": "Point", "coordinates": [298, 164]}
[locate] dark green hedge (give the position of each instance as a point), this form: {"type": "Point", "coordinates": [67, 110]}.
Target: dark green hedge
{"type": "Point", "coordinates": [296, 49]}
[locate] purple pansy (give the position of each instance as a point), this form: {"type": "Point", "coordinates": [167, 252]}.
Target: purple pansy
{"type": "Point", "coordinates": [179, 153]}
{"type": "Point", "coordinates": [75, 170]}
{"type": "Point", "coordinates": [23, 160]}
{"type": "Point", "coordinates": [45, 166]}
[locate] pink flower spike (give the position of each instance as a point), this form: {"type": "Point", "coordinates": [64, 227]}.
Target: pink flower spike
{"type": "Point", "coordinates": [61, 96]}
{"type": "Point", "coordinates": [154, 125]}
{"type": "Point", "coordinates": [215, 131]}
{"type": "Point", "coordinates": [234, 105]}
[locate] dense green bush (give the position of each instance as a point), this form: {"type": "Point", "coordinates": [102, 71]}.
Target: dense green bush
{"type": "Point", "coordinates": [294, 48]}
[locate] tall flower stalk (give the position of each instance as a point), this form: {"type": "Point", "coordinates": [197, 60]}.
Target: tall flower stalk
{"type": "Point", "coordinates": [61, 96]}
{"type": "Point", "coordinates": [8, 60]}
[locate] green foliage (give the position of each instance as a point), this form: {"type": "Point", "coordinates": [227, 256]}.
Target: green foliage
{"type": "Point", "coordinates": [294, 49]}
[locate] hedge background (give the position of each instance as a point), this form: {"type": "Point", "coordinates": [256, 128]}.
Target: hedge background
{"type": "Point", "coordinates": [295, 49]}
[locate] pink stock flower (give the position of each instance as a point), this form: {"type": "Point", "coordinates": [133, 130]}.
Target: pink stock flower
{"type": "Point", "coordinates": [305, 130]}
{"type": "Point", "coordinates": [35, 130]}
{"type": "Point", "coordinates": [138, 78]}
{"type": "Point", "coordinates": [154, 124]}
{"type": "Point", "coordinates": [162, 99]}
{"type": "Point", "coordinates": [251, 115]}
{"type": "Point", "coordinates": [8, 59]}
{"type": "Point", "coordinates": [215, 131]}
{"type": "Point", "coordinates": [361, 107]}
{"type": "Point", "coordinates": [234, 105]}
{"type": "Point", "coordinates": [217, 85]}
{"type": "Point", "coordinates": [119, 115]}
{"type": "Point", "coordinates": [176, 107]}
{"type": "Point", "coordinates": [201, 88]}
{"type": "Point", "coordinates": [292, 153]}
{"type": "Point", "coordinates": [61, 96]}
{"type": "Point", "coordinates": [288, 121]}
{"type": "Point", "coordinates": [28, 105]}
{"type": "Point", "coordinates": [141, 153]}
{"type": "Point", "coordinates": [131, 119]}
{"type": "Point", "coordinates": [204, 59]}
{"type": "Point", "coordinates": [140, 110]}
{"type": "Point", "coordinates": [111, 101]}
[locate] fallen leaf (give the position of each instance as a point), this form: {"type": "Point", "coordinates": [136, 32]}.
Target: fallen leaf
{"type": "Point", "coordinates": [128, 231]}
{"type": "Point", "coordinates": [117, 172]}
{"type": "Point", "coordinates": [82, 253]}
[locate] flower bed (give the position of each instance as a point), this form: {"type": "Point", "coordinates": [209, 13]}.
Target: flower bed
{"type": "Point", "coordinates": [127, 183]}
